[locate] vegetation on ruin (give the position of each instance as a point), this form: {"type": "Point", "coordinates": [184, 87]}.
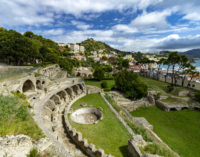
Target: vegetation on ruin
{"type": "Point", "coordinates": [110, 83]}
{"type": "Point", "coordinates": [154, 148]}
{"type": "Point", "coordinates": [158, 149]}
{"type": "Point", "coordinates": [15, 118]}
{"type": "Point", "coordinates": [108, 134]}
{"type": "Point", "coordinates": [178, 129]}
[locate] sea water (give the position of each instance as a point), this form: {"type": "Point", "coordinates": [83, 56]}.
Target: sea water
{"type": "Point", "coordinates": [196, 64]}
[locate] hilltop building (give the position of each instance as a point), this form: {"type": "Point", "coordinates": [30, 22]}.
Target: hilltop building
{"type": "Point", "coordinates": [61, 44]}
{"type": "Point", "coordinates": [76, 48]}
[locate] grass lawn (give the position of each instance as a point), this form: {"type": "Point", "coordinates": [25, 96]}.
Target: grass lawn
{"type": "Point", "coordinates": [15, 118]}
{"type": "Point", "coordinates": [160, 86]}
{"type": "Point", "coordinates": [179, 129]}
{"type": "Point", "coordinates": [111, 83]}
{"type": "Point", "coordinates": [108, 134]}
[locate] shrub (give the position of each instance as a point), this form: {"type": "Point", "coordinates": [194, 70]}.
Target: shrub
{"type": "Point", "coordinates": [37, 74]}
{"type": "Point", "coordinates": [15, 118]}
{"type": "Point", "coordinates": [106, 89]}
{"type": "Point", "coordinates": [169, 88]}
{"type": "Point", "coordinates": [130, 84]}
{"type": "Point", "coordinates": [99, 74]}
{"type": "Point", "coordinates": [157, 96]}
{"type": "Point", "coordinates": [104, 84]}
{"type": "Point", "coordinates": [33, 153]}
{"type": "Point", "coordinates": [197, 95]}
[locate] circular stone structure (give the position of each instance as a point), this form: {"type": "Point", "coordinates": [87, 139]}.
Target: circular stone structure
{"type": "Point", "coordinates": [88, 115]}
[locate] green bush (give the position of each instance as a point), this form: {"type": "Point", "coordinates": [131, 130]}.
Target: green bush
{"type": "Point", "coordinates": [99, 74]}
{"type": "Point", "coordinates": [15, 118]}
{"type": "Point", "coordinates": [197, 95]}
{"type": "Point", "coordinates": [157, 97]}
{"type": "Point", "coordinates": [169, 88]}
{"type": "Point", "coordinates": [37, 74]}
{"type": "Point", "coordinates": [104, 84]}
{"type": "Point", "coordinates": [19, 95]}
{"type": "Point", "coordinates": [107, 89]}
{"type": "Point", "coordinates": [130, 84]}
{"type": "Point", "coordinates": [33, 153]}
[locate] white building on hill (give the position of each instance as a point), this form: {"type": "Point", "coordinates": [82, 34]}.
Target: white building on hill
{"type": "Point", "coordinates": [76, 48]}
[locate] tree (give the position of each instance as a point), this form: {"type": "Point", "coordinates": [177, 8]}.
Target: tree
{"type": "Point", "coordinates": [99, 74]}
{"type": "Point", "coordinates": [138, 56]}
{"type": "Point", "coordinates": [122, 63]}
{"type": "Point", "coordinates": [167, 62]}
{"type": "Point", "coordinates": [160, 62]}
{"type": "Point", "coordinates": [174, 59]}
{"type": "Point", "coordinates": [29, 34]}
{"type": "Point", "coordinates": [125, 63]}
{"type": "Point", "coordinates": [192, 72]}
{"type": "Point", "coordinates": [104, 84]}
{"type": "Point", "coordinates": [184, 64]}
{"type": "Point", "coordinates": [130, 84]}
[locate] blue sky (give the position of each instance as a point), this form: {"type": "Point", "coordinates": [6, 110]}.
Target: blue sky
{"type": "Point", "coordinates": [132, 25]}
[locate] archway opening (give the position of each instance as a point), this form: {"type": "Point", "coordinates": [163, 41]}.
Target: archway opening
{"type": "Point", "coordinates": [28, 86]}
{"type": "Point", "coordinates": [38, 84]}
{"type": "Point", "coordinates": [69, 92]}
{"type": "Point", "coordinates": [75, 89]}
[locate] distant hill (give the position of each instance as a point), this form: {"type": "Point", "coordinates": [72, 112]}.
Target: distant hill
{"type": "Point", "coordinates": [93, 45]}
{"type": "Point", "coordinates": [194, 53]}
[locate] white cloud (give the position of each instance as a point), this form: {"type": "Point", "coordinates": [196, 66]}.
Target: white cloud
{"type": "Point", "coordinates": [81, 25]}
{"type": "Point", "coordinates": [125, 28]}
{"type": "Point", "coordinates": [192, 16]}
{"type": "Point", "coordinates": [156, 19]}
{"type": "Point", "coordinates": [53, 32]}
{"type": "Point", "coordinates": [178, 43]}
{"type": "Point", "coordinates": [38, 12]}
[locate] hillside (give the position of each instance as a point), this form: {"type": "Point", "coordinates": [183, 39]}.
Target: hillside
{"type": "Point", "coordinates": [93, 45]}
{"type": "Point", "coordinates": [194, 53]}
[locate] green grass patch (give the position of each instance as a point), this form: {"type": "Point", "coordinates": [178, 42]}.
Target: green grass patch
{"type": "Point", "coordinates": [15, 118]}
{"type": "Point", "coordinates": [96, 83]}
{"type": "Point", "coordinates": [161, 87]}
{"type": "Point", "coordinates": [108, 134]}
{"type": "Point", "coordinates": [178, 129]}
{"type": "Point", "coordinates": [158, 149]}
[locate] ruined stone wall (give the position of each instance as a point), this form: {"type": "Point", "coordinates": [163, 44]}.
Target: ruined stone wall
{"type": "Point", "coordinates": [93, 89]}
{"type": "Point", "coordinates": [61, 101]}
{"type": "Point", "coordinates": [53, 71]}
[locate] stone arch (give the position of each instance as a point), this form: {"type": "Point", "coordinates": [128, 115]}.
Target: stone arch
{"type": "Point", "coordinates": [69, 92]}
{"type": "Point", "coordinates": [38, 84]}
{"type": "Point", "coordinates": [62, 95]}
{"type": "Point", "coordinates": [78, 74]}
{"type": "Point", "coordinates": [56, 99]}
{"type": "Point", "coordinates": [28, 86]}
{"type": "Point", "coordinates": [80, 86]}
{"type": "Point", "coordinates": [50, 104]}
{"type": "Point", "coordinates": [173, 109]}
{"type": "Point", "coordinates": [75, 89]}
